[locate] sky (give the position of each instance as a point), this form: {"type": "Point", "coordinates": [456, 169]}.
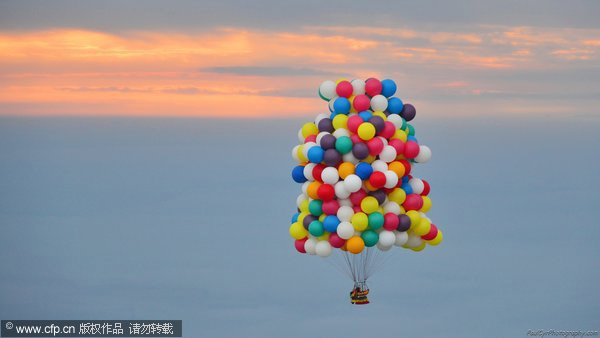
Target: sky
{"type": "Point", "coordinates": [267, 58]}
{"type": "Point", "coordinates": [146, 157]}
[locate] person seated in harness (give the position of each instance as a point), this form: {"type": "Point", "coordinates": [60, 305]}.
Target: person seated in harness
{"type": "Point", "coordinates": [359, 296]}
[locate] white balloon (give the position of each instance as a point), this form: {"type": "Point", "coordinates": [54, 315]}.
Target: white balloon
{"type": "Point", "coordinates": [392, 207]}
{"type": "Point", "coordinates": [327, 89]}
{"type": "Point", "coordinates": [320, 117]}
{"type": "Point", "coordinates": [396, 120]}
{"type": "Point", "coordinates": [305, 188]}
{"type": "Point", "coordinates": [383, 247]}
{"type": "Point", "coordinates": [353, 183]}
{"type": "Point", "coordinates": [385, 142]}
{"type": "Point", "coordinates": [310, 246]}
{"type": "Point", "coordinates": [379, 103]}
{"type": "Point", "coordinates": [379, 165]}
{"type": "Point", "coordinates": [388, 154]}
{"type": "Point", "coordinates": [307, 147]}
{"type": "Point", "coordinates": [401, 238]}
{"type": "Point", "coordinates": [345, 230]}
{"type": "Point", "coordinates": [345, 213]}
{"type": "Point", "coordinates": [391, 179]}
{"type": "Point", "coordinates": [330, 175]}
{"type": "Point", "coordinates": [413, 241]}
{"type": "Point", "coordinates": [300, 199]}
{"type": "Point", "coordinates": [323, 248]}
{"type": "Point", "coordinates": [331, 103]}
{"type": "Point", "coordinates": [300, 137]}
{"type": "Point", "coordinates": [345, 202]}
{"type": "Point", "coordinates": [295, 153]}
{"type": "Point", "coordinates": [320, 136]}
{"type": "Point", "coordinates": [341, 132]}
{"type": "Point", "coordinates": [387, 238]}
{"type": "Point", "coordinates": [349, 157]}
{"type": "Point", "coordinates": [308, 170]}
{"type": "Point", "coordinates": [358, 86]}
{"type": "Point", "coordinates": [417, 185]}
{"type": "Point", "coordinates": [424, 154]}
{"type": "Point", "coordinates": [340, 190]}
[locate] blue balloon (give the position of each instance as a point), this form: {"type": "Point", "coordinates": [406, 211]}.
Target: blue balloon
{"type": "Point", "coordinates": [365, 115]}
{"type": "Point", "coordinates": [412, 138]}
{"type": "Point", "coordinates": [315, 154]}
{"type": "Point", "coordinates": [405, 179]}
{"type": "Point", "coordinates": [407, 188]}
{"type": "Point", "coordinates": [331, 223]}
{"type": "Point", "coordinates": [333, 114]}
{"type": "Point", "coordinates": [363, 170]}
{"type": "Point", "coordinates": [388, 87]}
{"type": "Point", "coordinates": [395, 105]}
{"type": "Point", "coordinates": [341, 105]}
{"type": "Point", "coordinates": [295, 217]}
{"type": "Point", "coordinates": [298, 174]}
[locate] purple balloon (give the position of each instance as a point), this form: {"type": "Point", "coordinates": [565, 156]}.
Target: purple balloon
{"type": "Point", "coordinates": [326, 125]}
{"type": "Point", "coordinates": [360, 150]}
{"type": "Point", "coordinates": [332, 157]}
{"type": "Point", "coordinates": [404, 223]}
{"type": "Point", "coordinates": [378, 122]}
{"type": "Point", "coordinates": [328, 141]}
{"type": "Point", "coordinates": [379, 195]}
{"type": "Point", "coordinates": [309, 218]}
{"type": "Point", "coordinates": [408, 112]}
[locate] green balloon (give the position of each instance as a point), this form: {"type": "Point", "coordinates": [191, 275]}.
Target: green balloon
{"type": "Point", "coordinates": [370, 238]}
{"type": "Point", "coordinates": [343, 144]}
{"type": "Point", "coordinates": [375, 221]}
{"type": "Point", "coordinates": [411, 129]}
{"type": "Point", "coordinates": [316, 207]}
{"type": "Point", "coordinates": [403, 124]}
{"type": "Point", "coordinates": [316, 228]}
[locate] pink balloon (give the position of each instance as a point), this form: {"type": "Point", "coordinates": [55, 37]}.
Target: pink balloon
{"type": "Point", "coordinates": [398, 145]}
{"type": "Point", "coordinates": [357, 197]}
{"type": "Point", "coordinates": [331, 207]}
{"type": "Point", "coordinates": [336, 241]}
{"type": "Point", "coordinates": [373, 87]}
{"type": "Point", "coordinates": [355, 139]}
{"type": "Point", "coordinates": [390, 221]}
{"type": "Point", "coordinates": [411, 149]}
{"type": "Point", "coordinates": [389, 129]}
{"type": "Point", "coordinates": [431, 234]}
{"type": "Point", "coordinates": [354, 122]}
{"type": "Point", "coordinates": [375, 146]}
{"type": "Point", "coordinates": [361, 102]}
{"type": "Point", "coordinates": [344, 89]}
{"type": "Point", "coordinates": [413, 202]}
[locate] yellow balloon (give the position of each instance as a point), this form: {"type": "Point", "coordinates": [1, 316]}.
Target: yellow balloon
{"type": "Point", "coordinates": [322, 218]}
{"type": "Point", "coordinates": [397, 195]}
{"type": "Point", "coordinates": [301, 156]}
{"type": "Point", "coordinates": [438, 239]}
{"type": "Point", "coordinates": [352, 109]}
{"type": "Point", "coordinates": [355, 245]}
{"type": "Point", "coordinates": [369, 204]}
{"type": "Point", "coordinates": [324, 236]}
{"type": "Point", "coordinates": [380, 114]}
{"type": "Point", "coordinates": [346, 169]}
{"type": "Point", "coordinates": [301, 217]}
{"type": "Point", "coordinates": [414, 218]}
{"type": "Point", "coordinates": [370, 159]}
{"type": "Point", "coordinates": [340, 80]}
{"type": "Point", "coordinates": [309, 129]}
{"type": "Point", "coordinates": [304, 206]}
{"type": "Point", "coordinates": [420, 247]}
{"type": "Point", "coordinates": [422, 227]}
{"type": "Point", "coordinates": [381, 210]}
{"type": "Point", "coordinates": [297, 231]}
{"type": "Point", "coordinates": [366, 131]}
{"type": "Point", "coordinates": [400, 134]}
{"type": "Point", "coordinates": [360, 221]}
{"type": "Point", "coordinates": [340, 121]}
{"type": "Point", "coordinates": [426, 204]}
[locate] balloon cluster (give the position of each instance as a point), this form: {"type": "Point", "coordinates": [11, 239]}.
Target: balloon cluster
{"type": "Point", "coordinates": [354, 167]}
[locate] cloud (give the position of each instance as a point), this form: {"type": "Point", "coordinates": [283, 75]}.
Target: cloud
{"type": "Point", "coordinates": [266, 71]}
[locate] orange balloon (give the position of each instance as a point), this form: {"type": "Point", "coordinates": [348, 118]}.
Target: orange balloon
{"type": "Point", "coordinates": [346, 169]}
{"type": "Point", "coordinates": [311, 190]}
{"type": "Point", "coordinates": [355, 244]}
{"type": "Point", "coordinates": [370, 186]}
{"type": "Point", "coordinates": [397, 167]}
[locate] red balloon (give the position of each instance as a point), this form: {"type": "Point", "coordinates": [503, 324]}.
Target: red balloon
{"type": "Point", "coordinates": [431, 234]}
{"type": "Point", "coordinates": [361, 102]}
{"type": "Point", "coordinates": [354, 122]}
{"type": "Point", "coordinates": [344, 89]}
{"type": "Point", "coordinates": [373, 87]}
{"type": "Point", "coordinates": [336, 241]}
{"type": "Point", "coordinates": [390, 221]}
{"type": "Point", "coordinates": [310, 138]}
{"type": "Point", "coordinates": [389, 129]}
{"type": "Point", "coordinates": [355, 139]}
{"type": "Point", "coordinates": [317, 170]}
{"type": "Point", "coordinates": [411, 149]}
{"type": "Point", "coordinates": [357, 197]}
{"type": "Point", "coordinates": [398, 145]}
{"type": "Point", "coordinates": [331, 207]}
{"type": "Point", "coordinates": [299, 244]}
{"type": "Point", "coordinates": [426, 188]}
{"type": "Point", "coordinates": [326, 192]}
{"type": "Point", "coordinates": [377, 179]}
{"type": "Point", "coordinates": [357, 209]}
{"type": "Point", "coordinates": [375, 146]}
{"type": "Point", "coordinates": [413, 202]}
{"type": "Point", "coordinates": [407, 166]}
